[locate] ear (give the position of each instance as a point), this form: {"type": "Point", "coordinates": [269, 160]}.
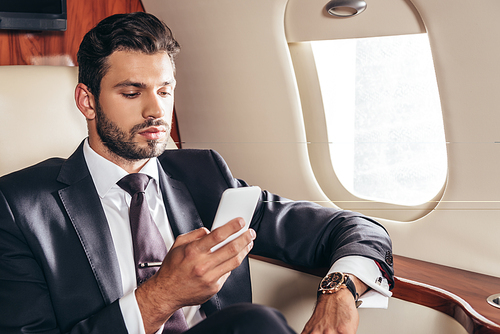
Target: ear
{"type": "Point", "coordinates": [85, 101]}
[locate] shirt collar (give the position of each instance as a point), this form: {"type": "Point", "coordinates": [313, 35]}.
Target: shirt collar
{"type": "Point", "coordinates": [105, 173]}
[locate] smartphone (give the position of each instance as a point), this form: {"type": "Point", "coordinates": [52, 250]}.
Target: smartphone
{"type": "Point", "coordinates": [234, 203]}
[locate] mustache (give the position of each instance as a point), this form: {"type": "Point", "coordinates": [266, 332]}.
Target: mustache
{"type": "Point", "coordinates": [149, 122]}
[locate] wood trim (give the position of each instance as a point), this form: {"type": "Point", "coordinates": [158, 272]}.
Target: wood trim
{"type": "Point", "coordinates": [458, 293]}
{"type": "Point", "coordinates": [174, 131]}
{"type": "Point", "coordinates": [19, 47]}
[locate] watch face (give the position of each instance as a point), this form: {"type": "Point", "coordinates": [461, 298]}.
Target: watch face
{"type": "Point", "coordinates": [332, 280]}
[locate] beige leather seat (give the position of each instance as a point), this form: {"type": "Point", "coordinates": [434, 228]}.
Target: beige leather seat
{"type": "Point", "coordinates": [38, 115]}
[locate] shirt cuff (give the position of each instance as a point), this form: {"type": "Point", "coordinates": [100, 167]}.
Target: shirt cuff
{"type": "Point", "coordinates": [131, 313]}
{"type": "Point", "coordinates": [367, 271]}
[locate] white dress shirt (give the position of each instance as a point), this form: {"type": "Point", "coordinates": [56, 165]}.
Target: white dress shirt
{"type": "Point", "coordinates": [116, 204]}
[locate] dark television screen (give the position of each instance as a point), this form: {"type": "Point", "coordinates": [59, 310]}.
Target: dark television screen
{"type": "Point", "coordinates": [33, 14]}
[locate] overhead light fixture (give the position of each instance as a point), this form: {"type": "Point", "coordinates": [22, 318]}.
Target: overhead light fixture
{"type": "Point", "coordinates": [345, 8]}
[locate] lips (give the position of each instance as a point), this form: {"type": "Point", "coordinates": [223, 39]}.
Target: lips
{"type": "Point", "coordinates": [153, 132]}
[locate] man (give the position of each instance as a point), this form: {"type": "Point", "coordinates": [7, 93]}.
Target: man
{"type": "Point", "coordinates": [67, 249]}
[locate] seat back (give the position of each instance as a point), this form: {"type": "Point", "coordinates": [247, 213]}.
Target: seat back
{"type": "Point", "coordinates": [38, 115]}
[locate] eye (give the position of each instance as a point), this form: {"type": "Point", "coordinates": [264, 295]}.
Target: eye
{"type": "Point", "coordinates": [130, 95]}
{"type": "Point", "coordinates": [165, 93]}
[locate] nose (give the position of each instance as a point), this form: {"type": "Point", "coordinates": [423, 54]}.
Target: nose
{"type": "Point", "coordinates": [155, 107]}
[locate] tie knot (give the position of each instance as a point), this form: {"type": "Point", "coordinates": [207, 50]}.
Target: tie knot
{"type": "Point", "coordinates": [134, 183]}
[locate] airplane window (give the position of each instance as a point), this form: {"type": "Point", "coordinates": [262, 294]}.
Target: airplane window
{"type": "Point", "coordinates": [383, 117]}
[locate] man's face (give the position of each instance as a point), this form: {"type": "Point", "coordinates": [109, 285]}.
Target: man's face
{"type": "Point", "coordinates": [134, 109]}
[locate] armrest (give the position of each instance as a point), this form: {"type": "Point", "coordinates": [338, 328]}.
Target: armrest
{"type": "Point", "coordinates": [458, 293]}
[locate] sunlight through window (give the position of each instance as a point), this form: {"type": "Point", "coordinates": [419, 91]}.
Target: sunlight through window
{"type": "Point", "coordinates": [384, 119]}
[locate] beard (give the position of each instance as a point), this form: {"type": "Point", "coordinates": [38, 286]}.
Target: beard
{"type": "Point", "coordinates": [122, 143]}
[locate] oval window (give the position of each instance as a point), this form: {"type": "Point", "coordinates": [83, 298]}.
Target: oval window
{"type": "Point", "coordinates": [383, 116]}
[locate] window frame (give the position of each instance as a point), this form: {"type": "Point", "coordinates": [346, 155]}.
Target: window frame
{"type": "Point", "coordinates": [319, 152]}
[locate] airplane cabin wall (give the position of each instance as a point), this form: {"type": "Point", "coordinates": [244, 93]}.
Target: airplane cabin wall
{"type": "Point", "coordinates": [237, 94]}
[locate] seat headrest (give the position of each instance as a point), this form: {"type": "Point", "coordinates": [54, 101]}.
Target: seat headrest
{"type": "Point", "coordinates": [38, 115]}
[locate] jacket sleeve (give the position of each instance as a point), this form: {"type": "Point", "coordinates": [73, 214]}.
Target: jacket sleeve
{"type": "Point", "coordinates": [296, 232]}
{"type": "Point", "coordinates": [306, 234]}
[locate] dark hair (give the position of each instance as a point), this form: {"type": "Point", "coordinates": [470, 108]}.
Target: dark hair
{"type": "Point", "coordinates": [121, 32]}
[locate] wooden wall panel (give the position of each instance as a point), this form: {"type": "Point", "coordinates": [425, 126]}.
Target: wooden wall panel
{"type": "Point", "coordinates": [60, 47]}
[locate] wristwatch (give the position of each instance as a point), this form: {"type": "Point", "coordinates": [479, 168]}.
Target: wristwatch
{"type": "Point", "coordinates": [333, 282]}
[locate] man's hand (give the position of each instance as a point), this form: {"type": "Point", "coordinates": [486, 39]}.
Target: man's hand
{"type": "Point", "coordinates": [191, 274]}
{"type": "Point", "coordinates": [336, 313]}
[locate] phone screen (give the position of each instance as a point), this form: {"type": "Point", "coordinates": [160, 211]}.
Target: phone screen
{"type": "Point", "coordinates": [234, 203]}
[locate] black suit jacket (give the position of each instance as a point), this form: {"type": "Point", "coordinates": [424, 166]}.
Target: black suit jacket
{"type": "Point", "coordinates": [58, 267]}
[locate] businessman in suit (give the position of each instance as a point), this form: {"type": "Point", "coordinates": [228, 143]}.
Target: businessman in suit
{"type": "Point", "coordinates": [66, 248]}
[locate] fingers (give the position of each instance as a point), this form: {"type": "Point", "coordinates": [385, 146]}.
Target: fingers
{"type": "Point", "coordinates": [242, 244]}
{"type": "Point", "coordinates": [222, 233]}
{"type": "Point", "coordinates": [232, 254]}
{"type": "Point", "coordinates": [191, 236]}
{"type": "Point", "coordinates": [191, 273]}
{"type": "Point", "coordinates": [225, 259]}
{"type": "Point", "coordinates": [235, 231]}
{"type": "Point", "coordinates": [200, 242]}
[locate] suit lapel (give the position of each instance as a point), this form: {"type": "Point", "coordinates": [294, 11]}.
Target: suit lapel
{"type": "Point", "coordinates": [183, 217]}
{"type": "Point", "coordinates": [181, 211]}
{"type": "Point", "coordinates": [84, 208]}
{"type": "Point", "coordinates": [82, 204]}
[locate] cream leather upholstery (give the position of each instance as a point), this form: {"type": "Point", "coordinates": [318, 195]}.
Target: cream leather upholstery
{"type": "Point", "coordinates": [38, 115]}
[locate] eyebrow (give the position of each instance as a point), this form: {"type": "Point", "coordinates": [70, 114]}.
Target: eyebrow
{"type": "Point", "coordinates": [141, 85]}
